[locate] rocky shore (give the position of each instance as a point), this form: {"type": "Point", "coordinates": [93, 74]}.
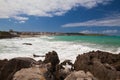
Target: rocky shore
{"type": "Point", "coordinates": [95, 65]}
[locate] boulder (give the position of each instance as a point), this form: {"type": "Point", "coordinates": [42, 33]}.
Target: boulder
{"type": "Point", "coordinates": [2, 63]}
{"type": "Point", "coordinates": [80, 75]}
{"type": "Point", "coordinates": [15, 65]}
{"type": "Point", "coordinates": [32, 73]}
{"type": "Point", "coordinates": [64, 69]}
{"type": "Point", "coordinates": [52, 57]}
{"type": "Point", "coordinates": [100, 64]}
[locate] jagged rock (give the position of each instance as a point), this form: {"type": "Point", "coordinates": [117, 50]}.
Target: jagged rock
{"type": "Point", "coordinates": [52, 57]}
{"type": "Point", "coordinates": [64, 69]}
{"type": "Point", "coordinates": [30, 74]}
{"type": "Point", "coordinates": [36, 72]}
{"type": "Point", "coordinates": [80, 75]}
{"type": "Point", "coordinates": [95, 62]}
{"type": "Point", "coordinates": [2, 63]}
{"type": "Point", "coordinates": [15, 65]}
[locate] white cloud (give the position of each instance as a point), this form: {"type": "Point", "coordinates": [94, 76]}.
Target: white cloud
{"type": "Point", "coordinates": [110, 31]}
{"type": "Point", "coordinates": [20, 18]}
{"type": "Point", "coordinates": [21, 21]}
{"type": "Point", "coordinates": [101, 32]}
{"type": "Point", "coordinates": [88, 31]}
{"type": "Point", "coordinates": [108, 22]}
{"type": "Point", "coordinates": [11, 8]}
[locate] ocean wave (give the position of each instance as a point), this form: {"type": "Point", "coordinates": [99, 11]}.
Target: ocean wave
{"type": "Point", "coordinates": [11, 48]}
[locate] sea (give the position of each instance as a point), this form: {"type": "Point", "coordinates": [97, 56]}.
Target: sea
{"type": "Point", "coordinates": [67, 47]}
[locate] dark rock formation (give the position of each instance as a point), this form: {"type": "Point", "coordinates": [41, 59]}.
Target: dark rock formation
{"type": "Point", "coordinates": [15, 65]}
{"type": "Point", "coordinates": [64, 69]}
{"type": "Point", "coordinates": [27, 44]}
{"type": "Point", "coordinates": [100, 64]}
{"type": "Point", "coordinates": [88, 66]}
{"type": "Point", "coordinates": [5, 34]}
{"type": "Point", "coordinates": [52, 57]}
{"type": "Point", "coordinates": [2, 63]}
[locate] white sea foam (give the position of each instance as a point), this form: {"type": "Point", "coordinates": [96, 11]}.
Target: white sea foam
{"type": "Point", "coordinates": [10, 48]}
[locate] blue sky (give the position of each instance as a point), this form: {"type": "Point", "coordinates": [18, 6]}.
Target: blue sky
{"type": "Point", "coordinates": [85, 16]}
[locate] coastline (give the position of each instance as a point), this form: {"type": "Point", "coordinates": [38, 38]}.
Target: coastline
{"type": "Point", "coordinates": [94, 65]}
{"type": "Point", "coordinates": [64, 65]}
{"type": "Point", "coordinates": [12, 34]}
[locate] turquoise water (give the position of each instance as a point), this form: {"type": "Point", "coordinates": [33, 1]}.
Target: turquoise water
{"type": "Point", "coordinates": [108, 41]}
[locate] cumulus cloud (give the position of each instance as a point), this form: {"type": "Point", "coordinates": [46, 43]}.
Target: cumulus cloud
{"type": "Point", "coordinates": [49, 8]}
{"type": "Point", "coordinates": [108, 22]}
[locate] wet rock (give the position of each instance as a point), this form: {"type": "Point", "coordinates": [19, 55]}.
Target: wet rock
{"type": "Point", "coordinates": [52, 57]}
{"type": "Point", "coordinates": [27, 44]}
{"type": "Point", "coordinates": [99, 63]}
{"type": "Point", "coordinates": [34, 55]}
{"type": "Point", "coordinates": [2, 63]}
{"type": "Point", "coordinates": [15, 65]}
{"type": "Point", "coordinates": [64, 69]}
{"type": "Point", "coordinates": [80, 75]}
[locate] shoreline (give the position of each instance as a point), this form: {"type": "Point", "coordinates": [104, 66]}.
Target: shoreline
{"type": "Point", "coordinates": [92, 65]}
{"type": "Point", "coordinates": [12, 34]}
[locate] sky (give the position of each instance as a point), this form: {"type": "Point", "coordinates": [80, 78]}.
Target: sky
{"type": "Point", "coordinates": [84, 16]}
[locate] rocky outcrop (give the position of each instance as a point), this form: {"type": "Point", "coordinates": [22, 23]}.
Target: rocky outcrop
{"type": "Point", "coordinates": [64, 69]}
{"type": "Point", "coordinates": [5, 34]}
{"type": "Point", "coordinates": [100, 64]}
{"type": "Point", "coordinates": [80, 75]}
{"type": "Point", "coordinates": [52, 57]}
{"type": "Point", "coordinates": [30, 74]}
{"type": "Point", "coordinates": [88, 66]}
{"type": "Point", "coordinates": [15, 65]}
{"type": "Point", "coordinates": [2, 63]}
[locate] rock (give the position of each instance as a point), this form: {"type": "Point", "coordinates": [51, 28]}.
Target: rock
{"type": "Point", "coordinates": [5, 34]}
{"type": "Point", "coordinates": [34, 55]}
{"type": "Point", "coordinates": [32, 73]}
{"type": "Point", "coordinates": [80, 75]}
{"type": "Point", "coordinates": [37, 72]}
{"type": "Point", "coordinates": [52, 57]}
{"type": "Point", "coordinates": [64, 69]}
{"type": "Point", "coordinates": [100, 64]}
{"type": "Point", "coordinates": [27, 44]}
{"type": "Point", "coordinates": [15, 65]}
{"type": "Point", "coordinates": [2, 63]}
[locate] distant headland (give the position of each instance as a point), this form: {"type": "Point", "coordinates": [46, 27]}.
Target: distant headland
{"type": "Point", "coordinates": [11, 34]}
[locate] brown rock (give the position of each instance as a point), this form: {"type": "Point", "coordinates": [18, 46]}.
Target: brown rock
{"type": "Point", "coordinates": [52, 57]}
{"type": "Point", "coordinates": [80, 75]}
{"type": "Point", "coordinates": [15, 65]}
{"type": "Point", "coordinates": [2, 63]}
{"type": "Point", "coordinates": [32, 73]}
{"type": "Point", "coordinates": [64, 69]}
{"type": "Point", "coordinates": [100, 64]}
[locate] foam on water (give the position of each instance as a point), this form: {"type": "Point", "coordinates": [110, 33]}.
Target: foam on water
{"type": "Point", "coordinates": [10, 48]}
